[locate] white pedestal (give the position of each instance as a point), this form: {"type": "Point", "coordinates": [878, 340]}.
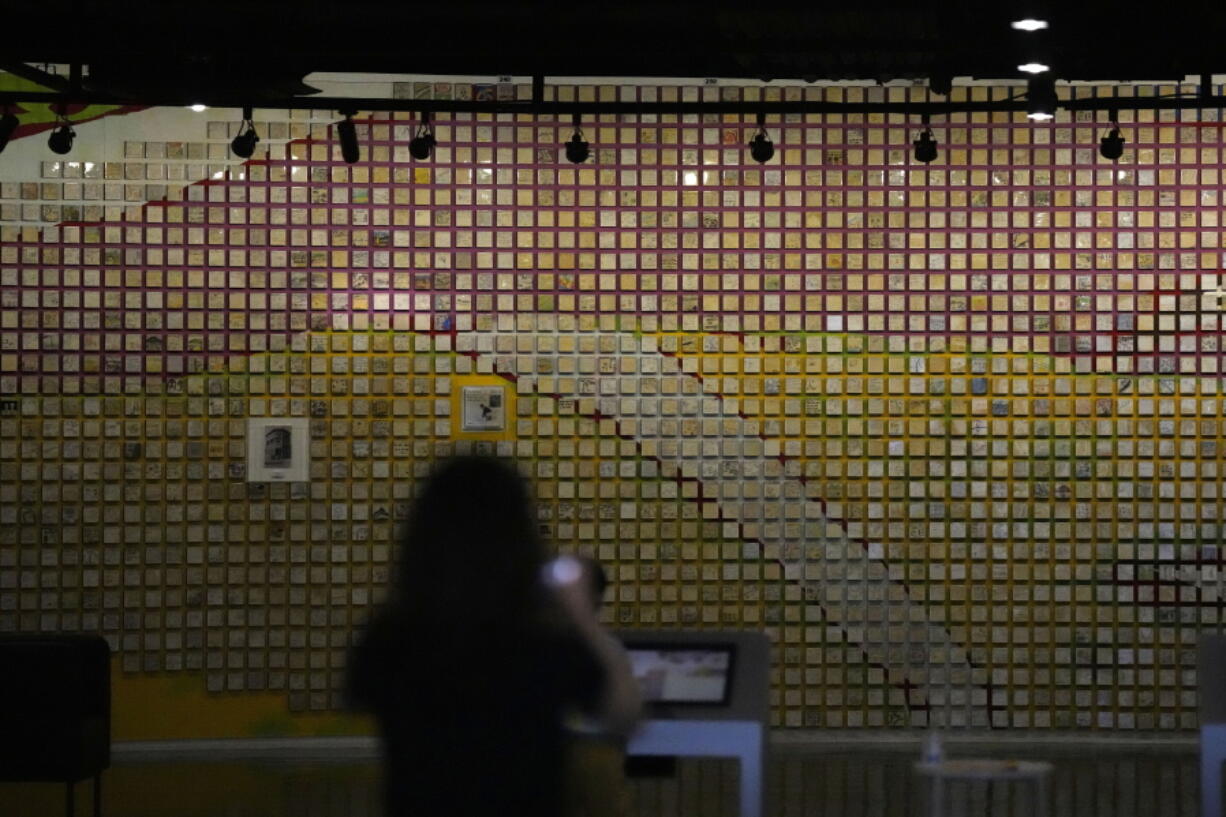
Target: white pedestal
{"type": "Point", "coordinates": [1212, 754]}
{"type": "Point", "coordinates": [970, 769]}
{"type": "Point", "coordinates": [744, 740]}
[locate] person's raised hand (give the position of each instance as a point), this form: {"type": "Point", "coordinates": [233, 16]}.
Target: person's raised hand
{"type": "Point", "coordinates": [564, 576]}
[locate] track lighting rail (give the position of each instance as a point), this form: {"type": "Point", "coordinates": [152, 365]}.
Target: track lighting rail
{"type": "Point", "coordinates": [561, 109]}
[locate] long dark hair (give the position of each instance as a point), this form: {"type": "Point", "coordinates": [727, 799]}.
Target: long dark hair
{"type": "Point", "coordinates": [470, 554]}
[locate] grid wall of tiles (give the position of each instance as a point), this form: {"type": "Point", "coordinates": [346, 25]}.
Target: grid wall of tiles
{"type": "Point", "coordinates": [951, 433]}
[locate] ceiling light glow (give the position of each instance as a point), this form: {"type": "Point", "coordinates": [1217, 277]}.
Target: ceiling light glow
{"type": "Point", "coordinates": [1033, 67]}
{"type": "Point", "coordinates": [1028, 24]}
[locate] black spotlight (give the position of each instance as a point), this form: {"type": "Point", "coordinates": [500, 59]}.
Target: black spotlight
{"type": "Point", "coordinates": [347, 133]}
{"type": "Point", "coordinates": [1112, 145]}
{"type": "Point", "coordinates": [925, 146]}
{"type": "Point", "coordinates": [577, 150]}
{"type": "Point", "coordinates": [8, 124]}
{"type": "Point", "coordinates": [243, 145]}
{"type": "Point", "coordinates": [1041, 98]}
{"type": "Point", "coordinates": [761, 148]}
{"type": "Point", "coordinates": [60, 140]}
{"type": "Point", "coordinates": [423, 142]}
{"type": "Point", "coordinates": [941, 83]}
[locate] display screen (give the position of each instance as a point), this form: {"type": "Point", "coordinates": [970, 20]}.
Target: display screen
{"type": "Point", "coordinates": [683, 673]}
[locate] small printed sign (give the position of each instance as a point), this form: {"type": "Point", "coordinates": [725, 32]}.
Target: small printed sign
{"type": "Point", "coordinates": [278, 449]}
{"type": "Point", "coordinates": [484, 408]}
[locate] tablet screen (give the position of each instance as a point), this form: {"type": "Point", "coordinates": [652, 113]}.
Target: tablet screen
{"type": "Point", "coordinates": [683, 673]}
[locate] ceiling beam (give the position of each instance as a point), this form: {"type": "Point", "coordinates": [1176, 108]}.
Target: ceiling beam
{"type": "Point", "coordinates": [44, 78]}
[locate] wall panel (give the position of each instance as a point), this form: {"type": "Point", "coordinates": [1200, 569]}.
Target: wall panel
{"type": "Point", "coordinates": [950, 433]}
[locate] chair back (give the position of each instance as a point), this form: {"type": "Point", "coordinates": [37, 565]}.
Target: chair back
{"type": "Point", "coordinates": [55, 707]}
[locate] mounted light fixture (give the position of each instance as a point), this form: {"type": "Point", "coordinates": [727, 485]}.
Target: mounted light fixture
{"type": "Point", "coordinates": [1041, 99]}
{"type": "Point", "coordinates": [243, 144]}
{"type": "Point", "coordinates": [423, 142]}
{"type": "Point", "coordinates": [347, 134]}
{"type": "Point", "coordinates": [761, 148]}
{"type": "Point", "coordinates": [60, 140]}
{"type": "Point", "coordinates": [941, 83]}
{"type": "Point", "coordinates": [1112, 145]}
{"type": "Point", "coordinates": [577, 150]}
{"type": "Point", "coordinates": [1033, 67]}
{"type": "Point", "coordinates": [8, 124]}
{"type": "Point", "coordinates": [925, 145]}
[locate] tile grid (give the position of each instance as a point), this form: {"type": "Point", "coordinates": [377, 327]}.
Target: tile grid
{"type": "Point", "coordinates": [791, 325]}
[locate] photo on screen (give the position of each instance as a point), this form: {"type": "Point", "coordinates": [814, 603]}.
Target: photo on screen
{"type": "Point", "coordinates": [683, 673]}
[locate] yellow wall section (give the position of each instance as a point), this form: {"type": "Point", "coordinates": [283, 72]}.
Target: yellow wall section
{"type": "Point", "coordinates": [177, 707]}
{"type": "Point", "coordinates": [195, 788]}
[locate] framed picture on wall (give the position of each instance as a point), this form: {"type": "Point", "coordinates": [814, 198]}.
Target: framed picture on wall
{"type": "Point", "coordinates": [278, 449]}
{"type": "Point", "coordinates": [484, 408]}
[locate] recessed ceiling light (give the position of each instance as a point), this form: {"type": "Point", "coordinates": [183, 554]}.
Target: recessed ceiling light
{"type": "Point", "coordinates": [1034, 67]}
{"type": "Point", "coordinates": [198, 107]}
{"type": "Point", "coordinates": [1028, 24]}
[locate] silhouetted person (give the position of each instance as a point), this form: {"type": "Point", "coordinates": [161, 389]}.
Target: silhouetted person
{"type": "Point", "coordinates": [480, 652]}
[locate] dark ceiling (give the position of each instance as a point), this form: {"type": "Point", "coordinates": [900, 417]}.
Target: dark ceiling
{"type": "Point", "coordinates": [170, 41]}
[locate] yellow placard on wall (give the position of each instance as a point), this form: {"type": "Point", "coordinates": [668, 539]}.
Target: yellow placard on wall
{"type": "Point", "coordinates": [483, 408]}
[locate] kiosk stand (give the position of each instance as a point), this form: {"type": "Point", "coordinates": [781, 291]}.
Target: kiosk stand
{"type": "Point", "coordinates": [1211, 688]}
{"type": "Point", "coordinates": [707, 695]}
